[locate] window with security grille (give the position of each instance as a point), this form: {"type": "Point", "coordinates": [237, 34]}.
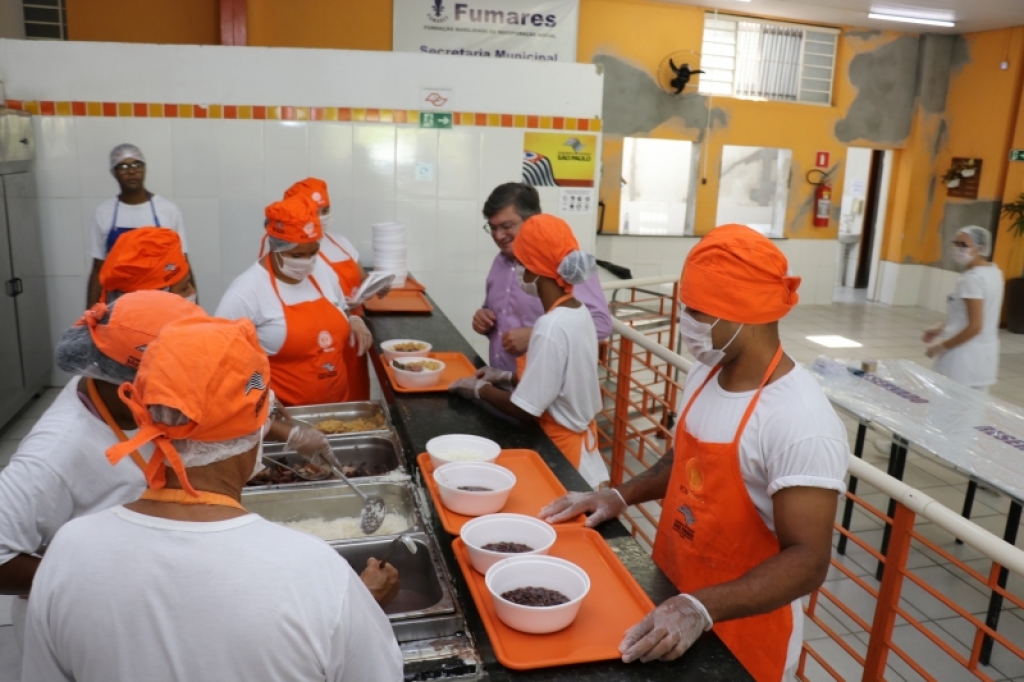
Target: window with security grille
{"type": "Point", "coordinates": [757, 59]}
{"type": "Point", "coordinates": [45, 20]}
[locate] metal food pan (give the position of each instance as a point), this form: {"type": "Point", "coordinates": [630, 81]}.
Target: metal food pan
{"type": "Point", "coordinates": [344, 411]}
{"type": "Point", "coordinates": [330, 502]}
{"type": "Point", "coordinates": [377, 450]}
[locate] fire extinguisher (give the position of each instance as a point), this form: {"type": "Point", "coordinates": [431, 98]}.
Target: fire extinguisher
{"type": "Point", "coordinates": [822, 197]}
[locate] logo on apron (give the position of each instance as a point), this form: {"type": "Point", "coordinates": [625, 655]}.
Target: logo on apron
{"type": "Point", "coordinates": [329, 371]}
{"type": "Point", "coordinates": [694, 475]}
{"type": "Point", "coordinates": [683, 527]}
{"type": "Point", "coordinates": [325, 340]}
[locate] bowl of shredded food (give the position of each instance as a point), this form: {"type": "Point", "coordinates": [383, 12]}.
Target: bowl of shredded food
{"type": "Point", "coordinates": [457, 447]}
{"type": "Point", "coordinates": [417, 372]}
{"type": "Point", "coordinates": [404, 348]}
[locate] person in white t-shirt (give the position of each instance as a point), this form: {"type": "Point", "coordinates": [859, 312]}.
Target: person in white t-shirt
{"type": "Point", "coordinates": [174, 586]}
{"type": "Point", "coordinates": [134, 207]}
{"type": "Point", "coordinates": [557, 378]}
{"type": "Point", "coordinates": [969, 350]}
{"type": "Point", "coordinates": [749, 489]}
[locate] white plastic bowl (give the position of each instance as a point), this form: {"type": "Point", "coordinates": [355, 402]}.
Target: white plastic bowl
{"type": "Point", "coordinates": [439, 448]}
{"type": "Point", "coordinates": [390, 353]}
{"type": "Point", "coordinates": [519, 528]}
{"type": "Point", "coordinates": [537, 571]}
{"type": "Point", "coordinates": [474, 502]}
{"type": "Point", "coordinates": [424, 379]}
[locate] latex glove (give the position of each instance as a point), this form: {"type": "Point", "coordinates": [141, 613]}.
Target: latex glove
{"type": "Point", "coordinates": [383, 583]}
{"type": "Point", "coordinates": [516, 341]}
{"type": "Point", "coordinates": [468, 387]}
{"type": "Point", "coordinates": [667, 631]}
{"type": "Point", "coordinates": [601, 505]}
{"type": "Point", "coordinates": [935, 350]}
{"type": "Point", "coordinates": [930, 335]}
{"type": "Point", "coordinates": [361, 336]}
{"type": "Point", "coordinates": [484, 321]}
{"type": "Point", "coordinates": [494, 376]}
{"type": "Point", "coordinates": [309, 443]}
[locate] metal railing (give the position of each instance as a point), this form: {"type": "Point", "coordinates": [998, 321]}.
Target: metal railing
{"type": "Point", "coordinates": [869, 628]}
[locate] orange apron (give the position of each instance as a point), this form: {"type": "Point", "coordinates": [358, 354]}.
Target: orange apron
{"type": "Point", "coordinates": [358, 368]}
{"type": "Point", "coordinates": [310, 367]}
{"type": "Point", "coordinates": [710, 533]}
{"type": "Point", "coordinates": [569, 442]}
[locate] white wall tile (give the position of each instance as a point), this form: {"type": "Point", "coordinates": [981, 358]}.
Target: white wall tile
{"type": "Point", "coordinates": [365, 213]}
{"type": "Point", "coordinates": [548, 199]}
{"type": "Point", "coordinates": [240, 162]}
{"type": "Point", "coordinates": [86, 220]}
{"type": "Point", "coordinates": [457, 244]}
{"type": "Point", "coordinates": [56, 164]}
{"type": "Point", "coordinates": [94, 139]}
{"type": "Point", "coordinates": [153, 137]}
{"type": "Point", "coordinates": [501, 158]}
{"type": "Point", "coordinates": [63, 238]}
{"type": "Point", "coordinates": [373, 164]}
{"type": "Point", "coordinates": [195, 148]}
{"type": "Point", "coordinates": [202, 225]}
{"type": "Point", "coordinates": [486, 249]}
{"type": "Point", "coordinates": [66, 301]}
{"type": "Point", "coordinates": [420, 220]}
{"type": "Point", "coordinates": [241, 229]}
{"type": "Point", "coordinates": [888, 273]}
{"type": "Point", "coordinates": [330, 159]}
{"type": "Point", "coordinates": [415, 148]}
{"type": "Point", "coordinates": [211, 288]}
{"type": "Point", "coordinates": [459, 164]}
{"type": "Point", "coordinates": [285, 157]}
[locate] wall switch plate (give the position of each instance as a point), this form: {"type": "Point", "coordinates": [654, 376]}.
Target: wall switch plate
{"type": "Point", "coordinates": [424, 172]}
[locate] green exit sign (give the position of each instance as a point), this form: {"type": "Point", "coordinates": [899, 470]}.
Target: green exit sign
{"type": "Point", "coordinates": [1017, 155]}
{"type": "Point", "coordinates": [432, 119]}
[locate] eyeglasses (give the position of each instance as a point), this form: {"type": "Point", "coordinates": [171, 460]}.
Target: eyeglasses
{"type": "Point", "coordinates": [133, 166]}
{"type": "Point", "coordinates": [962, 245]}
{"type": "Point", "coordinates": [507, 227]}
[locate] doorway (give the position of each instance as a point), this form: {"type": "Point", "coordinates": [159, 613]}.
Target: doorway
{"type": "Point", "coordinates": [862, 223]}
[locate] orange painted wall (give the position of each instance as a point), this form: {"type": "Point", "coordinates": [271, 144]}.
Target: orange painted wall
{"type": "Point", "coordinates": [185, 22]}
{"type": "Point", "coordinates": [338, 24]}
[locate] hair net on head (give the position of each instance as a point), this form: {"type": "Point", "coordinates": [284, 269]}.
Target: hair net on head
{"type": "Point", "coordinates": [197, 453]}
{"type": "Point", "coordinates": [577, 266]}
{"type": "Point", "coordinates": [125, 151]}
{"type": "Point", "coordinates": [981, 237]}
{"type": "Point", "coordinates": [77, 353]}
{"type": "Point", "coordinates": [279, 245]}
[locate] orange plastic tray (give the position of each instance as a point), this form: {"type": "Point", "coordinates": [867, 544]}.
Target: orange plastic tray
{"type": "Point", "coordinates": [614, 604]}
{"type": "Point", "coordinates": [400, 301]}
{"type": "Point", "coordinates": [456, 366]}
{"type": "Point", "coordinates": [535, 487]}
{"type": "Point", "coordinates": [411, 285]}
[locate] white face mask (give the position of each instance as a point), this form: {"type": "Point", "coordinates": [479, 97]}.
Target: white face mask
{"type": "Point", "coordinates": [963, 255]}
{"type": "Point", "coordinates": [191, 298]}
{"type": "Point", "coordinates": [296, 268]}
{"type": "Point", "coordinates": [325, 221]}
{"type": "Point", "coordinates": [259, 466]}
{"type": "Point", "coordinates": [529, 288]}
{"type": "Point", "coordinates": [697, 339]}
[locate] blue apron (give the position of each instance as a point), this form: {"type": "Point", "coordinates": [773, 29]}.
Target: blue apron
{"type": "Point", "coordinates": [115, 231]}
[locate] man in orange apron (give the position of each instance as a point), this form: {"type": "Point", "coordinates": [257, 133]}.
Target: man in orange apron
{"type": "Point", "coordinates": [341, 255]}
{"type": "Point", "coordinates": [558, 385]}
{"type": "Point", "coordinates": [749, 491]}
{"type": "Point", "coordinates": [146, 258]}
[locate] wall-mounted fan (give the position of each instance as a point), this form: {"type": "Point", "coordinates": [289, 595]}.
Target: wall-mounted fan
{"type": "Point", "coordinates": [679, 72]}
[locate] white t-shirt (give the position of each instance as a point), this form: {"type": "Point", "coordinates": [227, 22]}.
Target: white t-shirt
{"type": "Point", "coordinates": [122, 597]}
{"type": "Point", "coordinates": [335, 254]}
{"type": "Point", "coordinates": [975, 363]}
{"type": "Point", "coordinates": [138, 215]}
{"type": "Point", "coordinates": [793, 438]}
{"type": "Point", "coordinates": [59, 472]}
{"type": "Point", "coordinates": [561, 378]}
{"type": "Point", "coordinates": [252, 296]}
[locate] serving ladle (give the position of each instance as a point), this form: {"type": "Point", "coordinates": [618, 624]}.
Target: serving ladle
{"type": "Point", "coordinates": [372, 515]}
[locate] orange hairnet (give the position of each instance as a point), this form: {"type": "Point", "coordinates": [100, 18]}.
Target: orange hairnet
{"type": "Point", "coordinates": [542, 244]}
{"type": "Point", "coordinates": [314, 188]}
{"type": "Point", "coordinates": [144, 258]}
{"type": "Point", "coordinates": [739, 275]}
{"type": "Point", "coordinates": [295, 219]}
{"type": "Point", "coordinates": [211, 370]}
{"type": "Point", "coordinates": [134, 322]}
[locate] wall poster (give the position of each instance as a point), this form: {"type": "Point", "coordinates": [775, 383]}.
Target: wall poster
{"type": "Point", "coordinates": [563, 159]}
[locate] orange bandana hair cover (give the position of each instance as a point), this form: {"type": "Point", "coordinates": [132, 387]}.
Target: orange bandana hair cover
{"type": "Point", "coordinates": [215, 373]}
{"type": "Point", "coordinates": [295, 219]}
{"type": "Point", "coordinates": [737, 274]}
{"type": "Point", "coordinates": [541, 245]}
{"type": "Point", "coordinates": [314, 188]}
{"type": "Point", "coordinates": [144, 258]}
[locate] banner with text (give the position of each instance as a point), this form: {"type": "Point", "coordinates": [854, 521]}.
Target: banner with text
{"type": "Point", "coordinates": [565, 159]}
{"type": "Point", "coordinates": [540, 30]}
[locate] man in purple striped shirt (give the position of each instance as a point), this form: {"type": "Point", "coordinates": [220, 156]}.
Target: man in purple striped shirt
{"type": "Point", "coordinates": [508, 314]}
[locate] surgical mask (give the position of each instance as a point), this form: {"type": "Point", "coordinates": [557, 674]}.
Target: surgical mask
{"type": "Point", "coordinates": [259, 466]}
{"type": "Point", "coordinates": [697, 339]}
{"type": "Point", "coordinates": [325, 221]}
{"type": "Point", "coordinates": [297, 268]}
{"type": "Point", "coordinates": [529, 288]}
{"type": "Point", "coordinates": [962, 255]}
{"type": "Point", "coordinates": [191, 298]}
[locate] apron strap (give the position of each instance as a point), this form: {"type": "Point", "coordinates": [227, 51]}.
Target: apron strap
{"type": "Point", "coordinates": [179, 496]}
{"type": "Point", "coordinates": [104, 411]}
{"type": "Point", "coordinates": [559, 301]}
{"type": "Point", "coordinates": [343, 249]}
{"type": "Point", "coordinates": [772, 366]}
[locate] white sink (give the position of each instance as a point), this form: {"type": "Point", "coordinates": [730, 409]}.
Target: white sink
{"type": "Point", "coordinates": [848, 238]}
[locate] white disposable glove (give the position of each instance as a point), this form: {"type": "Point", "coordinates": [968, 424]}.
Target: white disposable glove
{"type": "Point", "coordinates": [494, 376]}
{"type": "Point", "coordinates": [666, 632]}
{"type": "Point", "coordinates": [309, 443]}
{"type": "Point", "coordinates": [601, 505]}
{"type": "Point", "coordinates": [468, 387]}
{"type": "Point", "coordinates": [361, 336]}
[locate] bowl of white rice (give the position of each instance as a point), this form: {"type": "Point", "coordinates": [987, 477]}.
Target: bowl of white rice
{"type": "Point", "coordinates": [457, 447]}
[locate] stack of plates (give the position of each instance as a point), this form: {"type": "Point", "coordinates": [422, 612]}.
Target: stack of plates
{"type": "Point", "coordinates": [390, 252]}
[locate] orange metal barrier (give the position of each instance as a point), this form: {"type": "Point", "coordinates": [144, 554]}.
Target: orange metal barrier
{"type": "Point", "coordinates": [928, 618]}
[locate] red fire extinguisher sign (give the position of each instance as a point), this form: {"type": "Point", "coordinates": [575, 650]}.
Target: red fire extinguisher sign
{"type": "Point", "coordinates": [821, 160]}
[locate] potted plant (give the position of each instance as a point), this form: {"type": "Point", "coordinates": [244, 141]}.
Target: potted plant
{"type": "Point", "coordinates": [1015, 287]}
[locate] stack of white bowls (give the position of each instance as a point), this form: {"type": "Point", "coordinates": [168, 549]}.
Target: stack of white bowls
{"type": "Point", "coordinates": [390, 252]}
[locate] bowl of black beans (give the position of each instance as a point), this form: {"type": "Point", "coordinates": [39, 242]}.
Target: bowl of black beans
{"type": "Point", "coordinates": [537, 594]}
{"type": "Point", "coordinates": [474, 488]}
{"type": "Point", "coordinates": [494, 537]}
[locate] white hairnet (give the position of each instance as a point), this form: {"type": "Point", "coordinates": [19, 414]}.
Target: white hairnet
{"type": "Point", "coordinates": [577, 266]}
{"type": "Point", "coordinates": [278, 245]}
{"type": "Point", "coordinates": [77, 353]}
{"type": "Point", "coordinates": [125, 151]}
{"type": "Point", "coordinates": [981, 237]}
{"type": "Point", "coordinates": [197, 453]}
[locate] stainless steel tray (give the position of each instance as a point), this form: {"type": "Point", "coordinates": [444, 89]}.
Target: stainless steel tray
{"type": "Point", "coordinates": [344, 411]}
{"type": "Point", "coordinates": [380, 451]}
{"type": "Point", "coordinates": [331, 501]}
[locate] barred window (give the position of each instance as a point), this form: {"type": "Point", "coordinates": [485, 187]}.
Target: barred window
{"type": "Point", "coordinates": [45, 20]}
{"type": "Point", "coordinates": [757, 59]}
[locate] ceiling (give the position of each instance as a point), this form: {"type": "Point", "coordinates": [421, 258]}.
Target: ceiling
{"type": "Point", "coordinates": [969, 15]}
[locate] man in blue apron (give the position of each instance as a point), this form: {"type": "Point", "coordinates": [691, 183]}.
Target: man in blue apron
{"type": "Point", "coordinates": [134, 207]}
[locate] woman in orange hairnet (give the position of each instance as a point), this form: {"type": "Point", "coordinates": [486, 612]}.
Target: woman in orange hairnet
{"type": "Point", "coordinates": [557, 379]}
{"type": "Point", "coordinates": [146, 258]}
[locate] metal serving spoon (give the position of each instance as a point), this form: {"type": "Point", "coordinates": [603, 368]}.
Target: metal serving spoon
{"type": "Point", "coordinates": [374, 509]}
{"type": "Point", "coordinates": [409, 543]}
